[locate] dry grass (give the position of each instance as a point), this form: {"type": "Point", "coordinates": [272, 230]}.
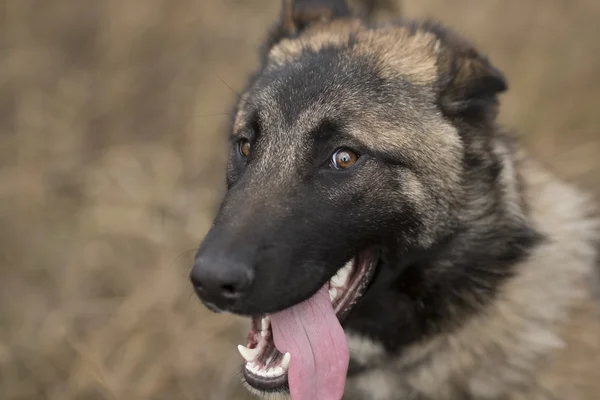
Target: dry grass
{"type": "Point", "coordinates": [112, 118]}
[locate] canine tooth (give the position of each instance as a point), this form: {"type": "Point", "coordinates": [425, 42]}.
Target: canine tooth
{"type": "Point", "coordinates": [285, 362]}
{"type": "Point", "coordinates": [332, 293]}
{"type": "Point", "coordinates": [248, 354]}
{"type": "Point", "coordinates": [265, 323]}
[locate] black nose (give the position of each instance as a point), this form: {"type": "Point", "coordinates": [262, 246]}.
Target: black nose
{"type": "Point", "coordinates": [220, 282]}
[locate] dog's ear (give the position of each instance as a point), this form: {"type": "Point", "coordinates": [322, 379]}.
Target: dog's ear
{"type": "Point", "coordinates": [469, 83]}
{"type": "Point", "coordinates": [296, 15]}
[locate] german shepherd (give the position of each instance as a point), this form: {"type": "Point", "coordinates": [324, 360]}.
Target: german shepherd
{"type": "Point", "coordinates": [388, 239]}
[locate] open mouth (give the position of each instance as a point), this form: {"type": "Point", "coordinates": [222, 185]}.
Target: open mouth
{"type": "Point", "coordinates": [266, 368]}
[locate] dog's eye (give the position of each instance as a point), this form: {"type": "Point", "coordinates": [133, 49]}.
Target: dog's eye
{"type": "Point", "coordinates": [244, 147]}
{"type": "Point", "coordinates": [343, 159]}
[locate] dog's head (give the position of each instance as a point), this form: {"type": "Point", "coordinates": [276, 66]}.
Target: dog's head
{"type": "Point", "coordinates": [348, 152]}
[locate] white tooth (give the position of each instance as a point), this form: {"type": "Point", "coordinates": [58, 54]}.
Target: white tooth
{"type": "Point", "coordinates": [268, 361]}
{"type": "Point", "coordinates": [248, 354]}
{"type": "Point", "coordinates": [265, 323]}
{"type": "Point", "coordinates": [332, 293]}
{"type": "Point", "coordinates": [285, 362]}
{"type": "Point", "coordinates": [271, 372]}
{"type": "Point", "coordinates": [336, 281]}
{"type": "Point", "coordinates": [340, 278]}
{"type": "Point", "coordinates": [348, 267]}
{"type": "Point", "coordinates": [278, 371]}
{"type": "Point", "coordinates": [252, 367]}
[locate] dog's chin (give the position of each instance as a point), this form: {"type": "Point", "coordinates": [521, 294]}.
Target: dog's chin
{"type": "Point", "coordinates": [265, 368]}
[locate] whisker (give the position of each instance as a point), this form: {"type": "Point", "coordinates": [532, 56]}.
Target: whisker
{"type": "Point", "coordinates": [183, 254]}
{"type": "Point", "coordinates": [247, 101]}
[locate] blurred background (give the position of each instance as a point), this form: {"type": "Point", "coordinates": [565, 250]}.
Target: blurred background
{"type": "Point", "coordinates": [113, 118]}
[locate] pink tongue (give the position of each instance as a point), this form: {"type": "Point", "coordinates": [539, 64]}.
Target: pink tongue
{"type": "Point", "coordinates": [312, 334]}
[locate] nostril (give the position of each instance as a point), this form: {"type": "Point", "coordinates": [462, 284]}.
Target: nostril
{"type": "Point", "coordinates": [229, 290]}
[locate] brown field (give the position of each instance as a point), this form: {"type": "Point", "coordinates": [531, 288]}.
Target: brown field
{"type": "Point", "coordinates": [112, 143]}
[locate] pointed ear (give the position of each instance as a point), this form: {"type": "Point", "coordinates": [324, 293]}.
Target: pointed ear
{"type": "Point", "coordinates": [298, 14]}
{"type": "Point", "coordinates": [469, 84]}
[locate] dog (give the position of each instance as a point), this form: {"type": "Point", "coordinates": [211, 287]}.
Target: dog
{"type": "Point", "coordinates": [388, 239]}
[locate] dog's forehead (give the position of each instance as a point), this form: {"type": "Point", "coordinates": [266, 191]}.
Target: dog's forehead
{"type": "Point", "coordinates": [402, 51]}
{"type": "Point", "coordinates": [340, 70]}
{"type": "Point", "coordinates": [320, 86]}
{"type": "Point", "coordinates": [298, 98]}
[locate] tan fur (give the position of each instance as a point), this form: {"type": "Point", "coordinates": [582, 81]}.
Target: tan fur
{"type": "Point", "coordinates": [399, 52]}
{"type": "Point", "coordinates": [540, 340]}
{"type": "Point", "coordinates": [402, 54]}
{"type": "Point", "coordinates": [335, 33]}
{"type": "Point", "coordinates": [364, 350]}
{"type": "Point", "coordinates": [240, 117]}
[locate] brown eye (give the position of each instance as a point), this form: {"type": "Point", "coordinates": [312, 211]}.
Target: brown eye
{"type": "Point", "coordinates": [245, 148]}
{"type": "Point", "coordinates": [343, 159]}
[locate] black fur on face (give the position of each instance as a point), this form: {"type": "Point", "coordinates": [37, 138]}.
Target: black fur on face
{"type": "Point", "coordinates": [289, 215]}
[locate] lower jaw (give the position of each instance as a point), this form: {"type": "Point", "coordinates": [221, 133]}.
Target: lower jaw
{"type": "Point", "coordinates": [265, 369]}
{"type": "Point", "coordinates": [262, 385]}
